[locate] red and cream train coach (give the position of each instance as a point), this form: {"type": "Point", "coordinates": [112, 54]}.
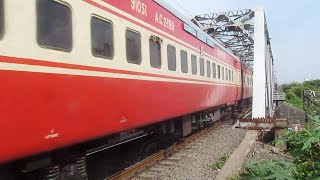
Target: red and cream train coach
{"type": "Point", "coordinates": [72, 71]}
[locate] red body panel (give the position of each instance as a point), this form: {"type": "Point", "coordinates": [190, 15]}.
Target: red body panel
{"type": "Point", "coordinates": [43, 111]}
{"type": "Point", "coordinates": [79, 108]}
{"type": "Point", "coordinates": [247, 92]}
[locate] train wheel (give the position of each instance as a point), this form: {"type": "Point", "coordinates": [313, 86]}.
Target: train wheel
{"type": "Point", "coordinates": [75, 171]}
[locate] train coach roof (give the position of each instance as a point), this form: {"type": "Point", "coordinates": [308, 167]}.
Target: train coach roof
{"type": "Point", "coordinates": [191, 24]}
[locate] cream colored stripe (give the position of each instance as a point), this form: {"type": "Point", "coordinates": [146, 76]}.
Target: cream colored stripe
{"type": "Point", "coordinates": [55, 70]}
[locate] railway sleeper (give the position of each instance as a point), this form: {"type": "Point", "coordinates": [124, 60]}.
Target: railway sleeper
{"type": "Point", "coordinates": [70, 163]}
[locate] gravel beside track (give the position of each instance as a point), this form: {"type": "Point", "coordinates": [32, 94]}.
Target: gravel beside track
{"type": "Point", "coordinates": [198, 160]}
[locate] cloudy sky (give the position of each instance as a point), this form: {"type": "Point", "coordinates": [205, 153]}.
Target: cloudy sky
{"type": "Point", "coordinates": [294, 27]}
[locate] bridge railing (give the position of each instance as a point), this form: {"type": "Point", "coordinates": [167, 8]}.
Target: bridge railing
{"type": "Point", "coordinates": [279, 96]}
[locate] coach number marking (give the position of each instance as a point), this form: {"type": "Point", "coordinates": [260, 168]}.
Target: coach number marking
{"type": "Point", "coordinates": [139, 7]}
{"type": "Point", "coordinates": [52, 134]}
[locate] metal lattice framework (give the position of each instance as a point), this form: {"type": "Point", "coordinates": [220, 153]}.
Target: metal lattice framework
{"type": "Point", "coordinates": [245, 33]}
{"type": "Point", "coordinates": [234, 29]}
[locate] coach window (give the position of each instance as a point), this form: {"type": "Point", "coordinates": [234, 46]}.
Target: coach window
{"type": "Point", "coordinates": [133, 47]}
{"type": "Point", "coordinates": [201, 67]}
{"type": "Point", "coordinates": [222, 68]}
{"type": "Point", "coordinates": [208, 68]}
{"type": "Point", "coordinates": [155, 51]}
{"type": "Point", "coordinates": [194, 64]}
{"type": "Point", "coordinates": [214, 70]}
{"type": "Point", "coordinates": [1, 19]}
{"type": "Point", "coordinates": [171, 53]}
{"type": "Point", "coordinates": [218, 70]}
{"type": "Point", "coordinates": [232, 75]}
{"type": "Point", "coordinates": [226, 74]}
{"type": "Point", "coordinates": [230, 78]}
{"type": "Point", "coordinates": [184, 61]}
{"type": "Point", "coordinates": [101, 38]}
{"type": "Point", "coordinates": [54, 25]}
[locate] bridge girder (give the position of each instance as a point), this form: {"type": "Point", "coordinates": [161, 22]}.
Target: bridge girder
{"type": "Point", "coordinates": [232, 28]}
{"type": "Point", "coordinates": [245, 33]}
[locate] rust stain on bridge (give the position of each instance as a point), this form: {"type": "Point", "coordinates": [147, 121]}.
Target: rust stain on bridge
{"type": "Point", "coordinates": [258, 123]}
{"type": "Point", "coordinates": [263, 123]}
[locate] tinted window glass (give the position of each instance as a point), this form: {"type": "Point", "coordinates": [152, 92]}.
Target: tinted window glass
{"type": "Point", "coordinates": [232, 75]}
{"type": "Point", "coordinates": [222, 68]}
{"type": "Point", "coordinates": [226, 74]}
{"type": "Point", "coordinates": [201, 67]}
{"type": "Point", "coordinates": [214, 71]}
{"type": "Point", "coordinates": [133, 47]}
{"type": "Point", "coordinates": [194, 64]}
{"type": "Point", "coordinates": [171, 50]}
{"type": "Point", "coordinates": [184, 61]}
{"type": "Point", "coordinates": [208, 69]}
{"type": "Point", "coordinates": [54, 25]}
{"type": "Point", "coordinates": [1, 18]}
{"type": "Point", "coordinates": [218, 70]}
{"type": "Point", "coordinates": [101, 38]}
{"type": "Point", "coordinates": [155, 54]}
{"type": "Point", "coordinates": [229, 75]}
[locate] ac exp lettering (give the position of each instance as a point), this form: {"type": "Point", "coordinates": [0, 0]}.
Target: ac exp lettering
{"type": "Point", "coordinates": [164, 21]}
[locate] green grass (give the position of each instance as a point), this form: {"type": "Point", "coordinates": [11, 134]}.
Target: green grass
{"type": "Point", "coordinates": [303, 146]}
{"type": "Point", "coordinates": [294, 91]}
{"type": "Point", "coordinates": [221, 161]}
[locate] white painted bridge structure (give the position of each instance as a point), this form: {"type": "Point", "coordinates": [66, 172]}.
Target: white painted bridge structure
{"type": "Point", "coordinates": [245, 33]}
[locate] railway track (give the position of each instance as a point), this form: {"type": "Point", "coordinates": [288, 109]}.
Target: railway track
{"type": "Point", "coordinates": [147, 163]}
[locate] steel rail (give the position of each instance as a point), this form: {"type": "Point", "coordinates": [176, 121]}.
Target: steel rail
{"type": "Point", "coordinates": [141, 166]}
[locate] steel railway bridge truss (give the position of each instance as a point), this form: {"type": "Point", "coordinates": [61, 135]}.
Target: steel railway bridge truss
{"type": "Point", "coordinates": [245, 33]}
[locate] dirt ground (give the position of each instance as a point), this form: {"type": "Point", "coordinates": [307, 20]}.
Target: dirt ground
{"type": "Point", "coordinates": [265, 151]}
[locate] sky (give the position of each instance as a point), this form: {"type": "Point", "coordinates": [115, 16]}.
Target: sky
{"type": "Point", "coordinates": [294, 28]}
